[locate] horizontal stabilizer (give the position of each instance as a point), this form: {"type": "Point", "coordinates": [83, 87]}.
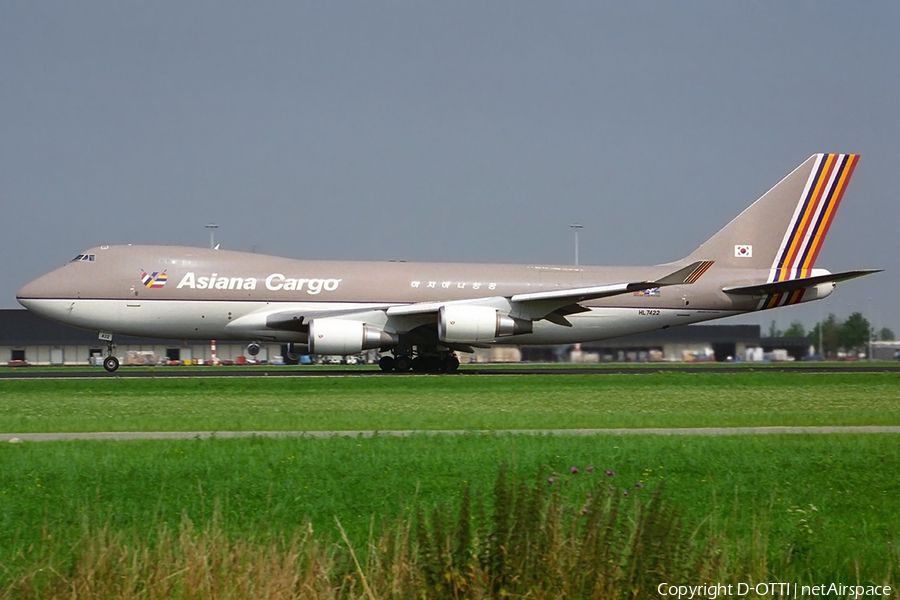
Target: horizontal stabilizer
{"type": "Point", "coordinates": [792, 285]}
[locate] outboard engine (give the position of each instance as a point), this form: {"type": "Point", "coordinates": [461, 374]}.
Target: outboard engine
{"type": "Point", "coordinates": [462, 323]}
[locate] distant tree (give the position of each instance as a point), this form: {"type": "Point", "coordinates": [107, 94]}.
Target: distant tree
{"type": "Point", "coordinates": [796, 329]}
{"type": "Point", "coordinates": [774, 331]}
{"type": "Point", "coordinates": [828, 329]}
{"type": "Point", "coordinates": [855, 333]}
{"type": "Point", "coordinates": [886, 335]}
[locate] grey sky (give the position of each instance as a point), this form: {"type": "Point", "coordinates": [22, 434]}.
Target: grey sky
{"type": "Point", "coordinates": [451, 131]}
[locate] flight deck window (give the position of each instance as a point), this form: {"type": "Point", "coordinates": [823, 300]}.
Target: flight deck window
{"type": "Point", "coordinates": [83, 258]}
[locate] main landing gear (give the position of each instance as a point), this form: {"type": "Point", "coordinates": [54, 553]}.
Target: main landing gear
{"type": "Point", "coordinates": [423, 363]}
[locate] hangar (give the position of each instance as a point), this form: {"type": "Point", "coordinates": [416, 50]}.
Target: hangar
{"type": "Point", "coordinates": [693, 343]}
{"type": "Point", "coordinates": [28, 339]}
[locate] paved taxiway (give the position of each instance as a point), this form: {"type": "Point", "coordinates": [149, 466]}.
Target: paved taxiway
{"type": "Point", "coordinates": [181, 435]}
{"type": "Point", "coordinates": [176, 372]}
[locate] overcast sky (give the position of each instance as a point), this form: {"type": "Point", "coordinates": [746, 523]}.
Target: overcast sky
{"type": "Point", "coordinates": [443, 131]}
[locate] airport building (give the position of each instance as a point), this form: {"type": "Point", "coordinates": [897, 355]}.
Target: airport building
{"type": "Point", "coordinates": [693, 343]}
{"type": "Point", "coordinates": [886, 350]}
{"type": "Point", "coordinates": [26, 338]}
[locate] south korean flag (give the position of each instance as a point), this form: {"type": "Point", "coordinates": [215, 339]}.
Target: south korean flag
{"type": "Point", "coordinates": [743, 251]}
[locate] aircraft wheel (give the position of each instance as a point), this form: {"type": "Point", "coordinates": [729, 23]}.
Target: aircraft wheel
{"type": "Point", "coordinates": [420, 364]}
{"type": "Point", "coordinates": [111, 363]}
{"type": "Point", "coordinates": [451, 364]}
{"type": "Point", "coordinates": [402, 364]}
{"type": "Point", "coordinates": [386, 363]}
{"type": "Point", "coordinates": [434, 364]}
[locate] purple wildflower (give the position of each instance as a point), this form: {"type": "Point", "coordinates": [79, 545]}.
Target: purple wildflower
{"type": "Point", "coordinates": [584, 511]}
{"type": "Point", "coordinates": [639, 485]}
{"type": "Point", "coordinates": [573, 470]}
{"type": "Point", "coordinates": [611, 473]}
{"type": "Point", "coordinates": [625, 492]}
{"type": "Point", "coordinates": [550, 480]}
{"type": "Point", "coordinates": [612, 488]}
{"type": "Point", "coordinates": [590, 469]}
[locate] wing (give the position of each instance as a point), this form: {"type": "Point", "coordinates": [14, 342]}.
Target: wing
{"type": "Point", "coordinates": [554, 305]}
{"type": "Point", "coordinates": [688, 274]}
{"type": "Point", "coordinates": [518, 311]}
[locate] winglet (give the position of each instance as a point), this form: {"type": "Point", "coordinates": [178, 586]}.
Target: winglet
{"type": "Point", "coordinates": [688, 274]}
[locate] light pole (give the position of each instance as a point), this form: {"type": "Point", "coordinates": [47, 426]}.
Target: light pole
{"type": "Point", "coordinates": [871, 329]}
{"type": "Point", "coordinates": [575, 227]}
{"type": "Point", "coordinates": [212, 234]}
{"type": "Point", "coordinates": [821, 331]}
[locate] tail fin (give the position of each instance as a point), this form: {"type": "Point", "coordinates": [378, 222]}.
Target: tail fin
{"type": "Point", "coordinates": [784, 229]}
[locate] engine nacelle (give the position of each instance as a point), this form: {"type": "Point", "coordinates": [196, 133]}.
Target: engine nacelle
{"type": "Point", "coordinates": [460, 323]}
{"type": "Point", "coordinates": [253, 349]}
{"type": "Point", "coordinates": [342, 336]}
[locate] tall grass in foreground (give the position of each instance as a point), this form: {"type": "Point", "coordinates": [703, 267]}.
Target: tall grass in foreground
{"type": "Point", "coordinates": [533, 540]}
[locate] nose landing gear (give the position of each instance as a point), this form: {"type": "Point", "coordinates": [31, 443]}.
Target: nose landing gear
{"type": "Point", "coordinates": [110, 363]}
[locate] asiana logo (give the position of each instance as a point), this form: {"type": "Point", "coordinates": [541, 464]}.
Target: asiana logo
{"type": "Point", "coordinates": [154, 280]}
{"type": "Point", "coordinates": [276, 282]}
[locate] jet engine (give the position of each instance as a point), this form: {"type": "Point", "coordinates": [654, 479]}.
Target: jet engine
{"type": "Point", "coordinates": [253, 349]}
{"type": "Point", "coordinates": [342, 336]}
{"type": "Point", "coordinates": [462, 323]}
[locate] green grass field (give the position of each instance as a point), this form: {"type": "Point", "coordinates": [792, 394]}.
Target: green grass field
{"type": "Point", "coordinates": [263, 486]}
{"type": "Point", "coordinates": [827, 502]}
{"type": "Point", "coordinates": [464, 403]}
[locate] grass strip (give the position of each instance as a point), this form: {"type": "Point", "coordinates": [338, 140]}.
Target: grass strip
{"type": "Point", "coordinates": [534, 540]}
{"type": "Point", "coordinates": [461, 403]}
{"type": "Point", "coordinates": [829, 500]}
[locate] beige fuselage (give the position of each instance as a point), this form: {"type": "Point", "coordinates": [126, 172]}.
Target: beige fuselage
{"type": "Point", "coordinates": [212, 294]}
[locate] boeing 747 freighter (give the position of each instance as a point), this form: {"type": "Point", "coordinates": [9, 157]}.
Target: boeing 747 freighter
{"type": "Point", "coordinates": [423, 313]}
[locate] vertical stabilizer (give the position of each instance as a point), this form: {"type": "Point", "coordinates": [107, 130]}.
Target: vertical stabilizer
{"type": "Point", "coordinates": [783, 231]}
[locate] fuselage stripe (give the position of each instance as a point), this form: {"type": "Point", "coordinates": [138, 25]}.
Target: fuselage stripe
{"type": "Point", "coordinates": [823, 210]}
{"type": "Point", "coordinates": [811, 206]}
{"type": "Point", "coordinates": [812, 251]}
{"type": "Point", "coordinates": [802, 221]}
{"type": "Point", "coordinates": [811, 223]}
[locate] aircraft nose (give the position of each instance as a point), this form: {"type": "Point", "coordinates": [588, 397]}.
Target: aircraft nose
{"type": "Point", "coordinates": [40, 288]}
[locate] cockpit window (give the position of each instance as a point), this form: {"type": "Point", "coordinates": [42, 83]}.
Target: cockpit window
{"type": "Point", "coordinates": [83, 258]}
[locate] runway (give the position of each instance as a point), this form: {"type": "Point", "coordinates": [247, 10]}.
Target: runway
{"type": "Point", "coordinates": [464, 371]}
{"type": "Point", "coordinates": [205, 435]}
